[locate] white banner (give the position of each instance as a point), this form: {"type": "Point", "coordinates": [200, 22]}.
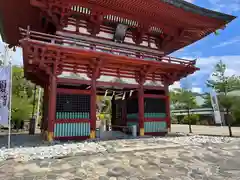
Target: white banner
{"type": "Point", "coordinates": [5, 82]}
{"type": "Point", "coordinates": [214, 101]}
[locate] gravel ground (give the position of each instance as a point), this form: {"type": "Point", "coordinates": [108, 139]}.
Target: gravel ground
{"type": "Point", "coordinates": [186, 157]}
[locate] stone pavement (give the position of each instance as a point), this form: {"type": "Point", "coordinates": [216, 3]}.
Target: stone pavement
{"type": "Point", "coordinates": [148, 159]}
{"type": "Point", "coordinates": [206, 130]}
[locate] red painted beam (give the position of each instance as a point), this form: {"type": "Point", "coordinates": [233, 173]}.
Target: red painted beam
{"type": "Point", "coordinates": [72, 81]}
{"type": "Point", "coordinates": [101, 83]}
{"type": "Point", "coordinates": [72, 91]}
{"type": "Point", "coordinates": [155, 96]}
{"type": "Point", "coordinates": [62, 121]}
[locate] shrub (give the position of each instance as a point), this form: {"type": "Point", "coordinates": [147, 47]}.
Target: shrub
{"type": "Point", "coordinates": [194, 119]}
{"type": "Point", "coordinates": [174, 119]}
{"type": "Point", "coordinates": [204, 122]}
{"type": "Point", "coordinates": [21, 110]}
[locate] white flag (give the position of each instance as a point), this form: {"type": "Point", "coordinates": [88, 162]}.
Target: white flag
{"type": "Point", "coordinates": [214, 101]}
{"type": "Point", "coordinates": [5, 82]}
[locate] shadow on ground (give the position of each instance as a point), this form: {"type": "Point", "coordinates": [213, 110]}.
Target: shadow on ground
{"type": "Point", "coordinates": [26, 140]}
{"type": "Point", "coordinates": [22, 140]}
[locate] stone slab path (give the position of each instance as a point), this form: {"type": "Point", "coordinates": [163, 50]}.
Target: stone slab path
{"type": "Point", "coordinates": [149, 159]}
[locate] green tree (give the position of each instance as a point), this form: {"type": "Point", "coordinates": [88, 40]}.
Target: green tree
{"type": "Point", "coordinates": [20, 86]}
{"type": "Point", "coordinates": [194, 118]}
{"type": "Point", "coordinates": [22, 96]}
{"type": "Point", "coordinates": [104, 108]}
{"type": "Point", "coordinates": [207, 101]}
{"type": "Point", "coordinates": [184, 99]}
{"type": "Point", "coordinates": [224, 84]}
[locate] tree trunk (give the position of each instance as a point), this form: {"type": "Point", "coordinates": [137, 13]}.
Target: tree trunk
{"type": "Point", "coordinates": [229, 124]}
{"type": "Point", "coordinates": [189, 121]}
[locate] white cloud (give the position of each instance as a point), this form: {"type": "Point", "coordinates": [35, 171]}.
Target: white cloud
{"type": "Point", "coordinates": [208, 63]}
{"type": "Point", "coordinates": [175, 85]}
{"type": "Point", "coordinates": [197, 90]}
{"type": "Point", "coordinates": [16, 56]}
{"type": "Point", "coordinates": [235, 40]}
{"type": "Point", "coordinates": [190, 1]}
{"type": "Point", "coordinates": [178, 85]}
{"type": "Point", "coordinates": [227, 6]}
{"type": "Point", "coordinates": [197, 81]}
{"type": "Point", "coordinates": [228, 72]}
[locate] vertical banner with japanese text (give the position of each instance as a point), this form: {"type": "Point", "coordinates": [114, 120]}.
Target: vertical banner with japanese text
{"type": "Point", "coordinates": [216, 110]}
{"type": "Point", "coordinates": [5, 82]}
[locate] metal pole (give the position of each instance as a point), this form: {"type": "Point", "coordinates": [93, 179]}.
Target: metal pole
{"type": "Point", "coordinates": [10, 108]}
{"type": "Point", "coordinates": [10, 99]}
{"type": "Point", "coordinates": [5, 55]}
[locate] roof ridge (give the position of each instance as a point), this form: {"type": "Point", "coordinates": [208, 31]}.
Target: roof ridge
{"type": "Point", "coordinates": [200, 10]}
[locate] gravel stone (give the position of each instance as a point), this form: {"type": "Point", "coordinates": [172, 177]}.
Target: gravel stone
{"type": "Point", "coordinates": [117, 171]}
{"type": "Point", "coordinates": [103, 178]}
{"type": "Point", "coordinates": [186, 157]}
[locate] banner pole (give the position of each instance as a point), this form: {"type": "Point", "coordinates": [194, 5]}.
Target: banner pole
{"type": "Point", "coordinates": [10, 108]}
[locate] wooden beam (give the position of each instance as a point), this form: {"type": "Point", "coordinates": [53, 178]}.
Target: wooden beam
{"type": "Point", "coordinates": [166, 44]}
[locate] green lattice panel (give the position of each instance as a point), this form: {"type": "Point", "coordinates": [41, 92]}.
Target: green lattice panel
{"type": "Point", "coordinates": [71, 129]}
{"type": "Point", "coordinates": [155, 126]}
{"type": "Point", "coordinates": [72, 115]}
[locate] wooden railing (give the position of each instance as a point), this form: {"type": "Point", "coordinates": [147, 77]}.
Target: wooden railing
{"type": "Point", "coordinates": [101, 45]}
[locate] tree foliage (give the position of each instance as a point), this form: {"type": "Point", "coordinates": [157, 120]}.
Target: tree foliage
{"type": "Point", "coordinates": [223, 85]}
{"type": "Point", "coordinates": [183, 99]}
{"type": "Point", "coordinates": [207, 101]}
{"type": "Point", "coordinates": [194, 118]}
{"type": "Point", "coordinates": [22, 96]}
{"type": "Point", "coordinates": [104, 108]}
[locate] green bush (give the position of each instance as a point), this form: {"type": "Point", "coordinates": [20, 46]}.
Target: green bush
{"type": "Point", "coordinates": [174, 120]}
{"type": "Point", "coordinates": [236, 116]}
{"type": "Point", "coordinates": [194, 119]}
{"type": "Point", "coordinates": [21, 110]}
{"type": "Point", "coordinates": [204, 122]}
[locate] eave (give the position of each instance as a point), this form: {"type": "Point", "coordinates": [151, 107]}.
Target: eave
{"type": "Point", "coordinates": [200, 10]}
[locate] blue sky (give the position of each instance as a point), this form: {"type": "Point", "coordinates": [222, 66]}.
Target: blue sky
{"type": "Point", "coordinates": [208, 52]}
{"type": "Point", "coordinates": [225, 47]}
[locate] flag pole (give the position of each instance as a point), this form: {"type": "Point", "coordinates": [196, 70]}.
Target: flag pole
{"type": "Point", "coordinates": [9, 63]}
{"type": "Point", "coordinates": [10, 108]}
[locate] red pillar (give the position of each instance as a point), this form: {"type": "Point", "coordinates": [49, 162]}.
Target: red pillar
{"type": "Point", "coordinates": [141, 109]}
{"type": "Point", "coordinates": [168, 118]}
{"type": "Point", "coordinates": [43, 110]}
{"type": "Point", "coordinates": [51, 106]}
{"type": "Point", "coordinates": [44, 123]}
{"type": "Point", "coordinates": [124, 113]}
{"type": "Point", "coordinates": [93, 109]}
